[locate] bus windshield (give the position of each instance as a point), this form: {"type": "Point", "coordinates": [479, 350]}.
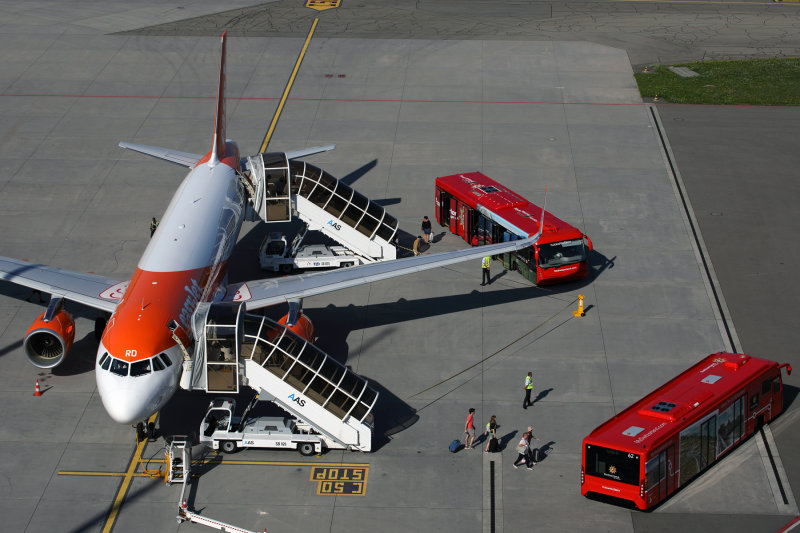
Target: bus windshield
{"type": "Point", "coordinates": [612, 464]}
{"type": "Point", "coordinates": [561, 253]}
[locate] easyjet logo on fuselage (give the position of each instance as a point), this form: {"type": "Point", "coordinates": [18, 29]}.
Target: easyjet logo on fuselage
{"type": "Point", "coordinates": [194, 292]}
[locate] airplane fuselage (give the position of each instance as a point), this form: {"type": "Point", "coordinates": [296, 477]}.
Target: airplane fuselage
{"type": "Point", "coordinates": [184, 263]}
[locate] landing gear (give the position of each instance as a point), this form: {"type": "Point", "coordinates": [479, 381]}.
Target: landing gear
{"type": "Point", "coordinates": [145, 432]}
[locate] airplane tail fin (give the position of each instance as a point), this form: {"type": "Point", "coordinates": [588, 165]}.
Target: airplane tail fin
{"type": "Point", "coordinates": [218, 149]}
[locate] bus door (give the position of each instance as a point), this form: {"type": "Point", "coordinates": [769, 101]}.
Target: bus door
{"type": "Point", "coordinates": [657, 471]}
{"type": "Point", "coordinates": [463, 216]}
{"type": "Point", "coordinates": [453, 215]}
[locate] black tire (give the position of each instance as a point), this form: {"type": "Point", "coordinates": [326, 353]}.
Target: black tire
{"type": "Point", "coordinates": [99, 327]}
{"type": "Point", "coordinates": [228, 446]}
{"type": "Point", "coordinates": [140, 433]}
{"type": "Point", "coordinates": [286, 269]}
{"type": "Point", "coordinates": [348, 264]}
{"type": "Point", "coordinates": [306, 448]}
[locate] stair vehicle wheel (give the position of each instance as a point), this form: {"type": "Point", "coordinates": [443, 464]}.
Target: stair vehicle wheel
{"type": "Point", "coordinates": [306, 448]}
{"type": "Point", "coordinates": [286, 269]}
{"type": "Point", "coordinates": [348, 264]}
{"type": "Point", "coordinates": [228, 446]}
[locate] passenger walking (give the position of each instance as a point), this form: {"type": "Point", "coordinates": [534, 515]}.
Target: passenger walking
{"type": "Point", "coordinates": [153, 226]}
{"type": "Point", "coordinates": [486, 263]}
{"type": "Point", "coordinates": [528, 388]}
{"type": "Point", "coordinates": [491, 430]}
{"type": "Point", "coordinates": [426, 229]}
{"type": "Point", "coordinates": [524, 451]}
{"type": "Point", "coordinates": [469, 429]}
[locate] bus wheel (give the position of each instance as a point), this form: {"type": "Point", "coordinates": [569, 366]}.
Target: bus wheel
{"type": "Point", "coordinates": [228, 446]}
{"type": "Point", "coordinates": [306, 448]}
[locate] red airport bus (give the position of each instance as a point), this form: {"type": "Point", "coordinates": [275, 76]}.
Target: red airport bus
{"type": "Point", "coordinates": [660, 443]}
{"type": "Point", "coordinates": [483, 211]}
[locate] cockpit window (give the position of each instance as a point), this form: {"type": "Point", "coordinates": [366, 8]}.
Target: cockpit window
{"type": "Point", "coordinates": [140, 368]}
{"type": "Point", "coordinates": [166, 359]}
{"type": "Point", "coordinates": [119, 367]}
{"type": "Point", "coordinates": [105, 361]}
{"type": "Point", "coordinates": [157, 364]}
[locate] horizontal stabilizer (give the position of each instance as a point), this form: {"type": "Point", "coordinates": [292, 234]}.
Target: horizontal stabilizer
{"type": "Point", "coordinates": [295, 154]}
{"type": "Point", "coordinates": [184, 159]}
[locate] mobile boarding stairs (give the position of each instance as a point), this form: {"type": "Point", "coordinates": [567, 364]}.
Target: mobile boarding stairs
{"type": "Point", "coordinates": [283, 187]}
{"type": "Point", "coordinates": [234, 348]}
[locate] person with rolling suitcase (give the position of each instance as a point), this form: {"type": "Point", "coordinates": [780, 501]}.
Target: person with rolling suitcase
{"type": "Point", "coordinates": [491, 430]}
{"type": "Point", "coordinates": [524, 452]}
{"type": "Point", "coordinates": [533, 453]}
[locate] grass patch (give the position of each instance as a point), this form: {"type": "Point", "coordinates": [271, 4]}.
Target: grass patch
{"type": "Point", "coordinates": [742, 82]}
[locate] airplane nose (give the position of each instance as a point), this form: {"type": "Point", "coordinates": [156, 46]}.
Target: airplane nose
{"type": "Point", "coordinates": [121, 405]}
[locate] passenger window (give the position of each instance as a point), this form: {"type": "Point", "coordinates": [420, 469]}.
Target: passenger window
{"type": "Point", "coordinates": [166, 359]}
{"type": "Point", "coordinates": [157, 364]}
{"type": "Point", "coordinates": [118, 367]}
{"type": "Point", "coordinates": [140, 368]}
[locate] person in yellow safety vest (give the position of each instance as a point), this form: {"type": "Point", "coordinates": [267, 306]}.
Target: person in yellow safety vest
{"type": "Point", "coordinates": [153, 226]}
{"type": "Point", "coordinates": [485, 264]}
{"type": "Point", "coordinates": [528, 388]}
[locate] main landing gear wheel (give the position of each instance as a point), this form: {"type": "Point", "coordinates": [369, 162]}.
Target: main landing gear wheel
{"type": "Point", "coordinates": [306, 449]}
{"type": "Point", "coordinates": [228, 446]}
{"type": "Point", "coordinates": [140, 432]}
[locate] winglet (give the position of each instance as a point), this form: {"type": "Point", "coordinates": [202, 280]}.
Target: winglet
{"type": "Point", "coordinates": [218, 149]}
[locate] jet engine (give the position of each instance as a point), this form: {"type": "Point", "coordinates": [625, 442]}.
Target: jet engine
{"type": "Point", "coordinates": [50, 337]}
{"type": "Point", "coordinates": [301, 326]}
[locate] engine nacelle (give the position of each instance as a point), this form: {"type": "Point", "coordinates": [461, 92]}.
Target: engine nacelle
{"type": "Point", "coordinates": [47, 342]}
{"type": "Point", "coordinates": [302, 327]}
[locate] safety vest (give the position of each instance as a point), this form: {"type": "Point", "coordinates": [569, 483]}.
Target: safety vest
{"type": "Point", "coordinates": [528, 382]}
{"type": "Point", "coordinates": [153, 225]}
{"type": "Point", "coordinates": [486, 261]}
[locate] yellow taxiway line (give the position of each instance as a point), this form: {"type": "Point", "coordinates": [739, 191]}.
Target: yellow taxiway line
{"type": "Point", "coordinates": [288, 88]}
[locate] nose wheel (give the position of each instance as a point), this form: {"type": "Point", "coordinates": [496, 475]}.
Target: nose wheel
{"type": "Point", "coordinates": [145, 431]}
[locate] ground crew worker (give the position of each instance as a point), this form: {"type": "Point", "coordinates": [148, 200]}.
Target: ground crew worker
{"type": "Point", "coordinates": [417, 242]}
{"type": "Point", "coordinates": [528, 388]}
{"type": "Point", "coordinates": [153, 226]}
{"type": "Point", "coordinates": [485, 264]}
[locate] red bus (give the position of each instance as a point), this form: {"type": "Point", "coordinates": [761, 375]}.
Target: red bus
{"type": "Point", "coordinates": [483, 211]}
{"type": "Point", "coordinates": [660, 443]}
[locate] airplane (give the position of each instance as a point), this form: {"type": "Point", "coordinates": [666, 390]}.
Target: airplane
{"type": "Point", "coordinates": [139, 359]}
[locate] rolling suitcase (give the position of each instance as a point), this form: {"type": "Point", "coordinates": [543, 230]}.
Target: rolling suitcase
{"type": "Point", "coordinates": [455, 446]}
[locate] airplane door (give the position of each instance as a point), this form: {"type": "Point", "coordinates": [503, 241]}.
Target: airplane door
{"type": "Point", "coordinates": [453, 215]}
{"type": "Point", "coordinates": [463, 211]}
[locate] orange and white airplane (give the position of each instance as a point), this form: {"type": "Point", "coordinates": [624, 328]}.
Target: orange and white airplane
{"type": "Point", "coordinates": [139, 364]}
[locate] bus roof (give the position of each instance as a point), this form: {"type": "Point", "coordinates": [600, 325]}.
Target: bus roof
{"type": "Point", "coordinates": [515, 213]}
{"type": "Point", "coordinates": [679, 402]}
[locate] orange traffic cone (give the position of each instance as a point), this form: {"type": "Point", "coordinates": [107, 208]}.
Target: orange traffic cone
{"type": "Point", "coordinates": [37, 391]}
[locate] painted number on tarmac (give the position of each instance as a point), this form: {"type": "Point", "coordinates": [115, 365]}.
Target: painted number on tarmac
{"type": "Point", "coordinates": [341, 480]}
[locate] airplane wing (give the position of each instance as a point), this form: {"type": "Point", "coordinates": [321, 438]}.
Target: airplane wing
{"type": "Point", "coordinates": [295, 154]}
{"type": "Point", "coordinates": [88, 289]}
{"type": "Point", "coordinates": [184, 159]}
{"type": "Point", "coordinates": [265, 292]}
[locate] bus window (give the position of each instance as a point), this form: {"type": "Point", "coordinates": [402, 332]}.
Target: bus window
{"type": "Point", "coordinates": [776, 385]}
{"type": "Point", "coordinates": [612, 464]}
{"type": "Point", "coordinates": [766, 386]}
{"type": "Point", "coordinates": [561, 253]}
